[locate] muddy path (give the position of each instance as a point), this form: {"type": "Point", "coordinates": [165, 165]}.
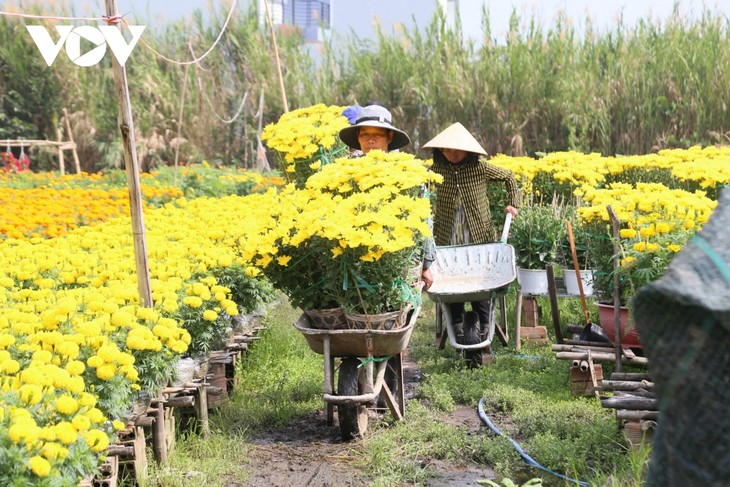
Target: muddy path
{"type": "Point", "coordinates": [310, 453]}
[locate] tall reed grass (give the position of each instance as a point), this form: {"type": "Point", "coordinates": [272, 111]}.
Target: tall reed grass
{"type": "Point", "coordinates": [627, 89]}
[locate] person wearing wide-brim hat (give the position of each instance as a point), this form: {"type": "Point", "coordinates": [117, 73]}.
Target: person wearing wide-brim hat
{"type": "Point", "coordinates": [462, 206]}
{"type": "Point", "coordinates": [373, 129]}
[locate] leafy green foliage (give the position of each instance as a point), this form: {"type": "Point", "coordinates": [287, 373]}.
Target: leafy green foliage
{"type": "Point", "coordinates": [536, 234]}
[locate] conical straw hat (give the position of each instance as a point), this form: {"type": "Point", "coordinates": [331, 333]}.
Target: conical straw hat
{"type": "Point", "coordinates": [455, 137]}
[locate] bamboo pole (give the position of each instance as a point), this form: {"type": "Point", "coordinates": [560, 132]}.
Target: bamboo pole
{"type": "Point", "coordinates": [636, 414]}
{"type": "Point", "coordinates": [179, 122]}
{"type": "Point", "coordinates": [276, 54]}
{"type": "Point", "coordinates": [35, 142]}
{"type": "Point", "coordinates": [601, 357]}
{"type": "Point", "coordinates": [77, 163]}
{"type": "Point", "coordinates": [630, 402]}
{"type": "Point", "coordinates": [61, 163]}
{"type": "Point", "coordinates": [616, 292]}
{"type": "Point", "coordinates": [126, 125]}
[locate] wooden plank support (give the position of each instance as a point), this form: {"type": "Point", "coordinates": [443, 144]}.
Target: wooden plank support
{"type": "Point", "coordinates": [201, 410]}
{"type": "Point", "coordinates": [159, 443]}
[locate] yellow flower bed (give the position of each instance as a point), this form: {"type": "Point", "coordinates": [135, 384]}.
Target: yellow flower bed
{"type": "Point", "coordinates": [689, 169]}
{"type": "Point", "coordinates": [45, 212]}
{"type": "Point", "coordinates": [74, 342]}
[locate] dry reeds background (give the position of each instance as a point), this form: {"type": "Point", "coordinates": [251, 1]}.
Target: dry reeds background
{"type": "Point", "coordinates": [628, 89]}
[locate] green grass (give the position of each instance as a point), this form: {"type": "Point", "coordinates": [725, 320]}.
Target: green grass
{"type": "Point", "coordinates": [527, 395]}
{"type": "Point", "coordinates": [215, 462]}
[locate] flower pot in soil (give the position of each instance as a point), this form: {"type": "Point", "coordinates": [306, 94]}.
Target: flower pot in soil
{"type": "Point", "coordinates": [629, 334]}
{"type": "Point", "coordinates": [571, 282]}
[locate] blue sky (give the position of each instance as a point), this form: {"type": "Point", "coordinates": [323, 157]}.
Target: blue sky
{"type": "Point", "coordinates": [360, 14]}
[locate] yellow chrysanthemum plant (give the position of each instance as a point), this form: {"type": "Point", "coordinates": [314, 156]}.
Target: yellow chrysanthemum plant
{"type": "Point", "coordinates": [67, 376]}
{"type": "Point", "coordinates": [306, 139]}
{"type": "Point", "coordinates": [656, 223]}
{"type": "Point", "coordinates": [348, 237]}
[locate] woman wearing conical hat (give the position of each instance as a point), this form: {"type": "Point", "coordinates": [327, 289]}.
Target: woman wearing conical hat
{"type": "Point", "coordinates": [462, 205]}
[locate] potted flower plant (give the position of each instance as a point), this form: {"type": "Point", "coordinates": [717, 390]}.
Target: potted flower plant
{"type": "Point", "coordinates": [378, 239]}
{"type": "Point", "coordinates": [535, 234]}
{"type": "Point", "coordinates": [656, 222]}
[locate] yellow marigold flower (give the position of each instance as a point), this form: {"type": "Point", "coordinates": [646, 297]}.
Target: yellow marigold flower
{"type": "Point", "coordinates": [10, 367]}
{"type": "Point", "coordinates": [66, 404]}
{"type": "Point", "coordinates": [31, 394]}
{"type": "Point", "coordinates": [6, 340]}
{"type": "Point", "coordinates": [75, 384]}
{"type": "Point", "coordinates": [178, 346]}
{"type": "Point", "coordinates": [47, 434]}
{"type": "Point", "coordinates": [674, 248]}
{"type": "Point", "coordinates": [39, 466]}
{"type": "Point", "coordinates": [106, 371]}
{"type": "Point", "coordinates": [283, 260]}
{"type": "Point", "coordinates": [130, 372]}
{"type": "Point", "coordinates": [135, 342]}
{"type": "Point", "coordinates": [97, 440]}
{"type": "Point", "coordinates": [210, 315]}
{"type": "Point", "coordinates": [68, 349]}
{"type": "Point", "coordinates": [52, 451]}
{"type": "Point", "coordinates": [75, 367]}
{"type": "Point", "coordinates": [108, 353]}
{"type": "Point", "coordinates": [252, 271]}
{"type": "Point", "coordinates": [65, 432]}
{"type": "Point", "coordinates": [648, 232]}
{"type": "Point", "coordinates": [87, 400]}
{"type": "Point", "coordinates": [81, 422]}
{"type": "Point", "coordinates": [627, 233]}
{"type": "Point", "coordinates": [121, 318]}
{"type": "Point", "coordinates": [43, 356]}
{"type": "Point", "coordinates": [95, 361]}
{"type": "Point", "coordinates": [125, 359]}
{"type": "Point", "coordinates": [193, 301]}
{"type": "Point", "coordinates": [118, 425]}
{"type": "Point", "coordinates": [95, 415]}
{"type": "Point", "coordinates": [161, 331]}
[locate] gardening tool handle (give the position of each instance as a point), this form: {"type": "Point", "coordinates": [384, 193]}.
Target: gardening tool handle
{"type": "Point", "coordinates": [505, 229]}
{"type": "Point", "coordinates": [577, 272]}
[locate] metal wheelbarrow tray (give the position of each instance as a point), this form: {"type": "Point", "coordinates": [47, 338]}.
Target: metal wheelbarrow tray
{"type": "Point", "coordinates": [471, 273]}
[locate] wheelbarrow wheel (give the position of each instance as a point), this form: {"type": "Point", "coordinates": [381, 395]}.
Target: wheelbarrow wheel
{"type": "Point", "coordinates": [472, 335]}
{"type": "Point", "coordinates": [353, 418]}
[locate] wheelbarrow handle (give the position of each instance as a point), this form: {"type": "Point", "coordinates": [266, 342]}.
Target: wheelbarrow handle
{"type": "Point", "coordinates": [505, 230]}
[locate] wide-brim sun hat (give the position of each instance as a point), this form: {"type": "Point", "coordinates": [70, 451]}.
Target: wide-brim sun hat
{"type": "Point", "coordinates": [456, 137]}
{"type": "Point", "coordinates": [374, 116]}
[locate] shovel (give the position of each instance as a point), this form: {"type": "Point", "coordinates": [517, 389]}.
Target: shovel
{"type": "Point", "coordinates": [591, 332]}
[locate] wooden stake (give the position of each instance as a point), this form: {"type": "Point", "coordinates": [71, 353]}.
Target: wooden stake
{"type": "Point", "coordinates": [616, 292]}
{"type": "Point", "coordinates": [276, 54]}
{"type": "Point", "coordinates": [179, 122]}
{"type": "Point", "coordinates": [126, 125]}
{"type": "Point", "coordinates": [77, 163]}
{"type": "Point", "coordinates": [61, 164]}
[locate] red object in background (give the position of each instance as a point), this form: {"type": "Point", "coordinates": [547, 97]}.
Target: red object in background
{"type": "Point", "coordinates": [629, 335]}
{"type": "Point", "coordinates": [13, 164]}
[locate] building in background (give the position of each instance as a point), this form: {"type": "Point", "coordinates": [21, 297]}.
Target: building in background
{"type": "Point", "coordinates": [319, 19]}
{"type": "Point", "coordinates": [312, 17]}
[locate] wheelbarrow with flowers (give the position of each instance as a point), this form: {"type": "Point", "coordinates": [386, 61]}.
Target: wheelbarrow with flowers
{"type": "Point", "coordinates": [473, 273]}
{"type": "Point", "coordinates": [369, 356]}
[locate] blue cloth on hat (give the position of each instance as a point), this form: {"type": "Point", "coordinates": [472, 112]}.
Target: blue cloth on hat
{"type": "Point", "coordinates": [351, 113]}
